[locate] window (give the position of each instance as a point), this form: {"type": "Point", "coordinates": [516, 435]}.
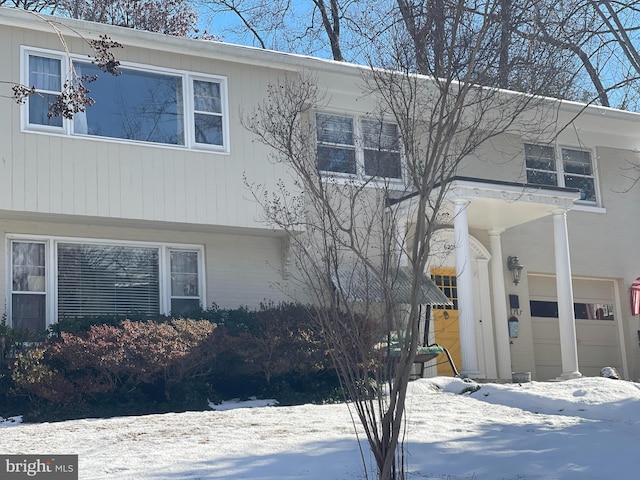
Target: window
{"type": "Point", "coordinates": [446, 280]}
{"type": "Point", "coordinates": [143, 104]}
{"type": "Point", "coordinates": [365, 148]}
{"type": "Point", "coordinates": [336, 144]}
{"type": "Point", "coordinates": [45, 74]}
{"type": "Point", "coordinates": [184, 281]}
{"type": "Point", "coordinates": [28, 290]}
{"type": "Point", "coordinates": [573, 169]}
{"type": "Point", "coordinates": [136, 105]}
{"type": "Point", "coordinates": [207, 116]}
{"type": "Point", "coordinates": [91, 279]}
{"type": "Point", "coordinates": [381, 149]}
{"type": "Point", "coordinates": [582, 311]}
{"type": "Point", "coordinates": [107, 280]}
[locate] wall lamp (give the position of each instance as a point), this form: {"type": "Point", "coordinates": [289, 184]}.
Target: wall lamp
{"type": "Point", "coordinates": [515, 267]}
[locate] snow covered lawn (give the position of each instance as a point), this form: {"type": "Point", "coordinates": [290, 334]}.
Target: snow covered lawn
{"type": "Point", "coordinates": [580, 429]}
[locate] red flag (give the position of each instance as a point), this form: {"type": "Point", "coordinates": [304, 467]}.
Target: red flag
{"type": "Point", "coordinates": [635, 297]}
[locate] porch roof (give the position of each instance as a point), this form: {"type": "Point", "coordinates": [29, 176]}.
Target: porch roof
{"type": "Point", "coordinates": [495, 204]}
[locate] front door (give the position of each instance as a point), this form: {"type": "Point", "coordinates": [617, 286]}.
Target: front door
{"type": "Point", "coordinates": [446, 328]}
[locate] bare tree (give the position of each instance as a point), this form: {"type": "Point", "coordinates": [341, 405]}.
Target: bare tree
{"type": "Point", "coordinates": [45, 6]}
{"type": "Point", "coordinates": [171, 17]}
{"type": "Point", "coordinates": [306, 27]}
{"type": "Point", "coordinates": [345, 235]}
{"type": "Point", "coordinates": [73, 97]}
{"type": "Point", "coordinates": [591, 41]}
{"type": "Point", "coordinates": [617, 31]}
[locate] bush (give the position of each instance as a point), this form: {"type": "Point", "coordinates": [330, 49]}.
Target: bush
{"type": "Point", "coordinates": [145, 359]}
{"type": "Point", "coordinates": [110, 366]}
{"type": "Point", "coordinates": [276, 340]}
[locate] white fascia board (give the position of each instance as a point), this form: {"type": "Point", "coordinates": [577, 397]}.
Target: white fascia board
{"type": "Point", "coordinates": [625, 123]}
{"type": "Point", "coordinates": [69, 27]}
{"type": "Point", "coordinates": [512, 193]}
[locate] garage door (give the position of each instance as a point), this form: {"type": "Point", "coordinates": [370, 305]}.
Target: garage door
{"type": "Point", "coordinates": [596, 328]}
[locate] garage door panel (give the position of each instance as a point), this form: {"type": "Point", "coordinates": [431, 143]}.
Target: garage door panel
{"type": "Point", "coordinates": [598, 344]}
{"type": "Point", "coordinates": [544, 372]}
{"type": "Point", "coordinates": [597, 356]}
{"type": "Point", "coordinates": [545, 330]}
{"type": "Point", "coordinates": [547, 354]}
{"type": "Point", "coordinates": [603, 332]}
{"type": "Point", "coordinates": [592, 291]}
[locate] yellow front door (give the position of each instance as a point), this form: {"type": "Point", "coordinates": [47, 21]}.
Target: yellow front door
{"type": "Point", "coordinates": [445, 319]}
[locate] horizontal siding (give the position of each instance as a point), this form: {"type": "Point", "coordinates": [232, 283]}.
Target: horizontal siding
{"type": "Point", "coordinates": [104, 178]}
{"type": "Point", "coordinates": [241, 270]}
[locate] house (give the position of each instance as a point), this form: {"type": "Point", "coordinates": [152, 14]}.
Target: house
{"type": "Point", "coordinates": [140, 203]}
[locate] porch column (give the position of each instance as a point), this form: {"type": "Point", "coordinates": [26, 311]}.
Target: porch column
{"type": "Point", "coordinates": [566, 316]}
{"type": "Point", "coordinates": [466, 316]}
{"type": "Point", "coordinates": [503, 349]}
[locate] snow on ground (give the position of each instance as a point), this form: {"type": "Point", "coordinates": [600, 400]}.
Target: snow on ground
{"type": "Point", "coordinates": [579, 429]}
{"type": "Point", "coordinates": [235, 403]}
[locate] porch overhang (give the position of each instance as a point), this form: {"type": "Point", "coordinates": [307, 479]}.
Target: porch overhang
{"type": "Point", "coordinates": [494, 204]}
{"type": "Point", "coordinates": [502, 205]}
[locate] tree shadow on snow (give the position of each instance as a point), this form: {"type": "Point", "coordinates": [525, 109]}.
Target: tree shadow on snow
{"type": "Point", "coordinates": [335, 460]}
{"type": "Point", "coordinates": [556, 447]}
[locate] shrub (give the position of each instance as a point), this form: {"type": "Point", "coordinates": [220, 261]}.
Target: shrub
{"type": "Point", "coordinates": [110, 366]}
{"type": "Point", "coordinates": [275, 340]}
{"type": "Point", "coordinates": [76, 368]}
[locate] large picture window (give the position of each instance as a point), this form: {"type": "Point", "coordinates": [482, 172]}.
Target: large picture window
{"type": "Point", "coordinates": [360, 147]}
{"type": "Point", "coordinates": [58, 278]}
{"type": "Point", "coordinates": [136, 105]}
{"type": "Point", "coordinates": [107, 280]}
{"type": "Point", "coordinates": [142, 104]}
{"type": "Point", "coordinates": [573, 168]}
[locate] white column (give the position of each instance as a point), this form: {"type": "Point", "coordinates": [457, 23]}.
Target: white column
{"type": "Point", "coordinates": [566, 316]}
{"type": "Point", "coordinates": [487, 347]}
{"type": "Point", "coordinates": [465, 291]}
{"type": "Point", "coordinates": [617, 315]}
{"type": "Point", "coordinates": [503, 349]}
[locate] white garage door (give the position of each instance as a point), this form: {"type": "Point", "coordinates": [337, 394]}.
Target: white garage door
{"type": "Point", "coordinates": [596, 327]}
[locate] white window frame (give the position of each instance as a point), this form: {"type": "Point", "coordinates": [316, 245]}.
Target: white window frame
{"type": "Point", "coordinates": [199, 272]}
{"type": "Point", "coordinates": [9, 278]}
{"type": "Point", "coordinates": [51, 268]}
{"type": "Point", "coordinates": [186, 77]}
{"type": "Point", "coordinates": [359, 148]}
{"type": "Point", "coordinates": [24, 80]}
{"type": "Point", "coordinates": [560, 170]}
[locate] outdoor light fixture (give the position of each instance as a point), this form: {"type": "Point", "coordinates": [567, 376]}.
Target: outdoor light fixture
{"type": "Point", "coordinates": [515, 267]}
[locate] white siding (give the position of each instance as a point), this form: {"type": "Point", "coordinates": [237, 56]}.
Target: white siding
{"type": "Point", "coordinates": [241, 270]}
{"type": "Point", "coordinates": [47, 173]}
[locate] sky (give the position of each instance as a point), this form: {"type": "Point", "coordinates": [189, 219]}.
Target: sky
{"type": "Point", "coordinates": [582, 429]}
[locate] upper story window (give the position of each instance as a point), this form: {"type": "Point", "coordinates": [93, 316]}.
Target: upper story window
{"type": "Point", "coordinates": [571, 168]}
{"type": "Point", "coordinates": [360, 147]}
{"type": "Point", "coordinates": [143, 104]}
{"type": "Point", "coordinates": [45, 74]}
